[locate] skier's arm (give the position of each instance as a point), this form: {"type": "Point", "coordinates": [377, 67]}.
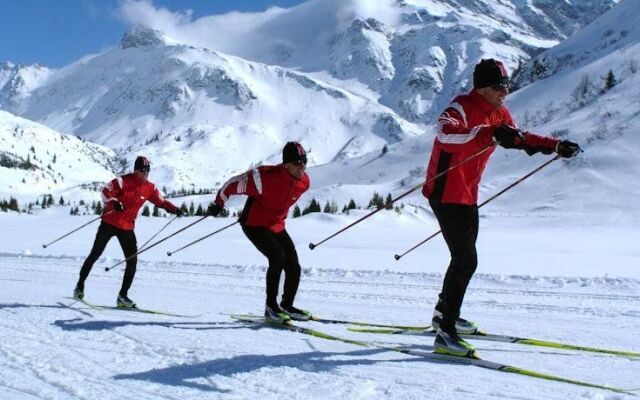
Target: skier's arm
{"type": "Point", "coordinates": [455, 135]}
{"type": "Point", "coordinates": [157, 199]}
{"type": "Point", "coordinates": [539, 144]}
{"type": "Point", "coordinates": [249, 183]}
{"type": "Point", "coordinates": [112, 190]}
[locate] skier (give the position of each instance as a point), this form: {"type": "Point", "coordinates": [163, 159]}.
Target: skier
{"type": "Point", "coordinates": [123, 198]}
{"type": "Point", "coordinates": [271, 191]}
{"type": "Point", "coordinates": [469, 124]}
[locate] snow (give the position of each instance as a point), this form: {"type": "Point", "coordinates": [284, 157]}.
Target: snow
{"type": "Point", "coordinates": [558, 254]}
{"type": "Point", "coordinates": [561, 282]}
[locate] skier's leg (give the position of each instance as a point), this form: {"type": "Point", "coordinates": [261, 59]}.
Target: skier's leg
{"type": "Point", "coordinates": [291, 269]}
{"type": "Point", "coordinates": [105, 232]}
{"type": "Point", "coordinates": [129, 246]}
{"type": "Point", "coordinates": [263, 239]}
{"type": "Point", "coordinates": [459, 224]}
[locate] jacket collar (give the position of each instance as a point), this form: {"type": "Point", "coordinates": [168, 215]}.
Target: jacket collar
{"type": "Point", "coordinates": [482, 103]}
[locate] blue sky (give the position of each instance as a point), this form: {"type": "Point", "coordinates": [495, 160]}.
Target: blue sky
{"type": "Point", "coordinates": [57, 32]}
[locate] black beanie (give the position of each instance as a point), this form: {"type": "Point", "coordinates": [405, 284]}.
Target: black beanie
{"type": "Point", "coordinates": [142, 164]}
{"type": "Point", "coordinates": [293, 152]}
{"type": "Point", "coordinates": [489, 72]}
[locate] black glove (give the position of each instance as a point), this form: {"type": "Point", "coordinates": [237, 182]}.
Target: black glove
{"type": "Point", "coordinates": [508, 137]}
{"type": "Point", "coordinates": [118, 206]}
{"type": "Point", "coordinates": [567, 149]}
{"type": "Point", "coordinates": [215, 209]}
{"type": "Point", "coordinates": [178, 212]}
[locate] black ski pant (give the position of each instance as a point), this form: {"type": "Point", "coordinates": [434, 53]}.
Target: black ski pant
{"type": "Point", "coordinates": [281, 253]}
{"type": "Point", "coordinates": [459, 224]}
{"type": "Point", "coordinates": [129, 246]}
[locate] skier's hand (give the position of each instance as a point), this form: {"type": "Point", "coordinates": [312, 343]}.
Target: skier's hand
{"type": "Point", "coordinates": [508, 137]}
{"type": "Point", "coordinates": [567, 149]}
{"type": "Point", "coordinates": [118, 206]}
{"type": "Point", "coordinates": [215, 209]}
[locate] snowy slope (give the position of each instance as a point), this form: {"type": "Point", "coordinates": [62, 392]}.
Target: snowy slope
{"type": "Point", "coordinates": [37, 160]}
{"type": "Point", "coordinates": [582, 291]}
{"type": "Point", "coordinates": [614, 32]}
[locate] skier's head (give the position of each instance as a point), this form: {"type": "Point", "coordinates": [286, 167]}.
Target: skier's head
{"type": "Point", "coordinates": [491, 81]}
{"type": "Point", "coordinates": [142, 166]}
{"type": "Point", "coordinates": [490, 73]}
{"type": "Point", "coordinates": [294, 158]}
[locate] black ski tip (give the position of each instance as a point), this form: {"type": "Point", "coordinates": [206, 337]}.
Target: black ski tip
{"type": "Point", "coordinates": [312, 246]}
{"type": "Point", "coordinates": [397, 257]}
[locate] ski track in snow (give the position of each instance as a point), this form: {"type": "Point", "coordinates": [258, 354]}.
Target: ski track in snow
{"type": "Point", "coordinates": [58, 348]}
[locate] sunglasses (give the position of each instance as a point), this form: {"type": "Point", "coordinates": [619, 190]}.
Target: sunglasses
{"type": "Point", "coordinates": [301, 161]}
{"type": "Point", "coordinates": [499, 87]}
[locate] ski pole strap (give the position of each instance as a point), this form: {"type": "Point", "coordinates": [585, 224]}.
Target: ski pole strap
{"type": "Point", "coordinates": [155, 244]}
{"type": "Point", "coordinates": [399, 256]}
{"type": "Point", "coordinates": [314, 245]}
{"type": "Point", "coordinates": [170, 253]}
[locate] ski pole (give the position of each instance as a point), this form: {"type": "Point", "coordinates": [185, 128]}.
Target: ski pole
{"type": "Point", "coordinates": [399, 256]}
{"type": "Point", "coordinates": [314, 245]}
{"type": "Point", "coordinates": [170, 253]}
{"type": "Point", "coordinates": [75, 230]}
{"type": "Point", "coordinates": [157, 233]}
{"type": "Point", "coordinates": [154, 244]}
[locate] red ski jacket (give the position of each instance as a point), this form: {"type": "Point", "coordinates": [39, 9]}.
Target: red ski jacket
{"type": "Point", "coordinates": [465, 127]}
{"type": "Point", "coordinates": [132, 192]}
{"type": "Point", "coordinates": [272, 190]}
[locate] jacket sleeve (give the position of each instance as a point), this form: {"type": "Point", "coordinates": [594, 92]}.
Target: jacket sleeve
{"type": "Point", "coordinates": [112, 190]}
{"type": "Point", "coordinates": [535, 143]}
{"type": "Point", "coordinates": [157, 199]}
{"type": "Point", "coordinates": [455, 135]}
{"type": "Point", "coordinates": [249, 183]}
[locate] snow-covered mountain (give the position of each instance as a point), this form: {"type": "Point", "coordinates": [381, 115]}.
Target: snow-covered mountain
{"type": "Point", "coordinates": [573, 103]}
{"type": "Point", "coordinates": [346, 80]}
{"type": "Point", "coordinates": [17, 81]}
{"type": "Point", "coordinates": [202, 116]}
{"type": "Point", "coordinates": [36, 160]}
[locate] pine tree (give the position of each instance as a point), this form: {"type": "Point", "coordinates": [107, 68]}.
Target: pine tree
{"type": "Point", "coordinates": [192, 209]}
{"type": "Point", "coordinates": [610, 81]}
{"type": "Point", "coordinates": [376, 201]}
{"type": "Point", "coordinates": [50, 201]}
{"type": "Point", "coordinates": [296, 212]}
{"type": "Point", "coordinates": [200, 211]}
{"type": "Point", "coordinates": [156, 212]}
{"type": "Point", "coordinates": [388, 202]}
{"type": "Point", "coordinates": [351, 205]}
{"type": "Point", "coordinates": [145, 211]}
{"type": "Point", "coordinates": [61, 201]}
{"type": "Point", "coordinates": [327, 208]}
{"type": "Point", "coordinates": [13, 204]}
{"type": "Point", "coordinates": [98, 209]}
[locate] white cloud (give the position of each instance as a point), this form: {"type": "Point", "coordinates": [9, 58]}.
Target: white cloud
{"type": "Point", "coordinates": [310, 24]}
